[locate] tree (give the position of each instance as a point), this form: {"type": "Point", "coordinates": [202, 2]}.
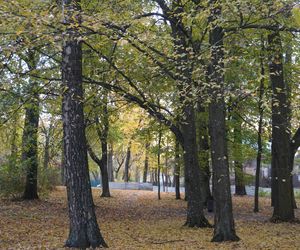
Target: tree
{"type": "Point", "coordinates": [177, 170]}
{"type": "Point", "coordinates": [146, 163]}
{"type": "Point", "coordinates": [240, 188]}
{"type": "Point", "coordinates": [84, 230]}
{"type": "Point", "coordinates": [30, 133]}
{"type": "Point", "coordinates": [260, 129]}
{"type": "Point", "coordinates": [282, 199]}
{"type": "Point", "coordinates": [224, 224]}
{"type": "Point", "coordinates": [102, 132]}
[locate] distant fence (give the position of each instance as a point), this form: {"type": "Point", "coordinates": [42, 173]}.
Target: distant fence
{"type": "Point", "coordinates": [130, 186]}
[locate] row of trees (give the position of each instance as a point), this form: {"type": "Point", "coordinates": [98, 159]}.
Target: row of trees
{"type": "Point", "coordinates": [214, 73]}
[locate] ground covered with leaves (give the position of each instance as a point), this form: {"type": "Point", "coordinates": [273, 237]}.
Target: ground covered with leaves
{"type": "Point", "coordinates": [137, 220]}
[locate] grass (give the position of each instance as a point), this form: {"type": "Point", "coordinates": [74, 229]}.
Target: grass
{"type": "Point", "coordinates": [137, 220]}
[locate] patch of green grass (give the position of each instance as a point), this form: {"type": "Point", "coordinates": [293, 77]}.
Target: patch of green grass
{"type": "Point", "coordinates": [263, 193]}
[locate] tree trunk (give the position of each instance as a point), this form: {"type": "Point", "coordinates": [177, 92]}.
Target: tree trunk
{"type": "Point", "coordinates": [127, 163]}
{"type": "Point", "coordinates": [30, 147]}
{"type": "Point", "coordinates": [224, 222]}
{"type": "Point", "coordinates": [158, 163]}
{"type": "Point", "coordinates": [282, 199]}
{"type": "Point", "coordinates": [240, 188]}
{"type": "Point", "coordinates": [103, 168]}
{"type": "Point", "coordinates": [84, 230]}
{"type": "Point", "coordinates": [146, 165]}
{"type": "Point", "coordinates": [48, 134]}
{"type": "Point", "coordinates": [259, 132]}
{"type": "Point", "coordinates": [177, 171]}
{"type": "Point", "coordinates": [193, 175]}
{"type": "Point", "coordinates": [110, 166]}
{"type": "Point", "coordinates": [62, 166]}
{"type": "Point", "coordinates": [288, 74]}
{"type": "Point", "coordinates": [202, 124]}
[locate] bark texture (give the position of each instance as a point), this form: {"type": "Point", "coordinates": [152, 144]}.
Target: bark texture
{"type": "Point", "coordinates": [193, 175]}
{"type": "Point", "coordinates": [240, 188]}
{"type": "Point", "coordinates": [203, 146]}
{"type": "Point", "coordinates": [30, 147]}
{"type": "Point", "coordinates": [224, 223]}
{"type": "Point", "coordinates": [146, 163]}
{"type": "Point", "coordinates": [127, 163]}
{"type": "Point", "coordinates": [282, 198]}
{"type": "Point", "coordinates": [177, 171]}
{"type": "Point", "coordinates": [84, 230]}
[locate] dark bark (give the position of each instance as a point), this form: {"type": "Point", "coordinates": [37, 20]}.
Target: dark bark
{"type": "Point", "coordinates": [146, 165]}
{"type": "Point", "coordinates": [110, 167]}
{"type": "Point", "coordinates": [282, 199]}
{"type": "Point", "coordinates": [240, 188]}
{"type": "Point", "coordinates": [102, 129]}
{"type": "Point", "coordinates": [177, 171]}
{"type": "Point", "coordinates": [158, 162]}
{"type": "Point", "coordinates": [103, 168]}
{"type": "Point", "coordinates": [224, 223]}
{"type": "Point", "coordinates": [288, 74]}
{"type": "Point", "coordinates": [48, 135]}
{"type": "Point", "coordinates": [203, 145]}
{"type": "Point", "coordinates": [120, 163]}
{"type": "Point", "coordinates": [127, 163]}
{"type": "Point", "coordinates": [30, 147]}
{"type": "Point", "coordinates": [62, 167]}
{"type": "Point", "coordinates": [84, 230]}
{"type": "Point", "coordinates": [193, 175]}
{"type": "Point", "coordinates": [259, 133]}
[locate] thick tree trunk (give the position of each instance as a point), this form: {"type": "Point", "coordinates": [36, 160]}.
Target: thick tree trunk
{"type": "Point", "coordinates": [84, 230]}
{"type": "Point", "coordinates": [177, 171]}
{"type": "Point", "coordinates": [193, 175]}
{"type": "Point", "coordinates": [282, 199]}
{"type": "Point", "coordinates": [146, 165]}
{"type": "Point", "coordinates": [288, 75]}
{"type": "Point", "coordinates": [127, 163]}
{"type": "Point", "coordinates": [224, 222]}
{"type": "Point", "coordinates": [30, 148]}
{"type": "Point", "coordinates": [184, 69]}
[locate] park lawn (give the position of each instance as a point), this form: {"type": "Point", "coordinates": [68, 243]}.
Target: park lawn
{"type": "Point", "coordinates": [137, 220]}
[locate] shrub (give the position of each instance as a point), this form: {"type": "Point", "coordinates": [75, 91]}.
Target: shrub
{"type": "Point", "coordinates": [13, 177]}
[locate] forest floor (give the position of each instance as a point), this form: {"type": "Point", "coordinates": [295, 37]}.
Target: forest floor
{"type": "Point", "coordinates": [137, 220]}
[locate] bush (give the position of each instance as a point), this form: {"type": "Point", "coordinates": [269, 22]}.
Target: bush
{"type": "Point", "coordinates": [249, 179]}
{"type": "Point", "coordinates": [13, 177]}
{"type": "Point", "coordinates": [47, 180]}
